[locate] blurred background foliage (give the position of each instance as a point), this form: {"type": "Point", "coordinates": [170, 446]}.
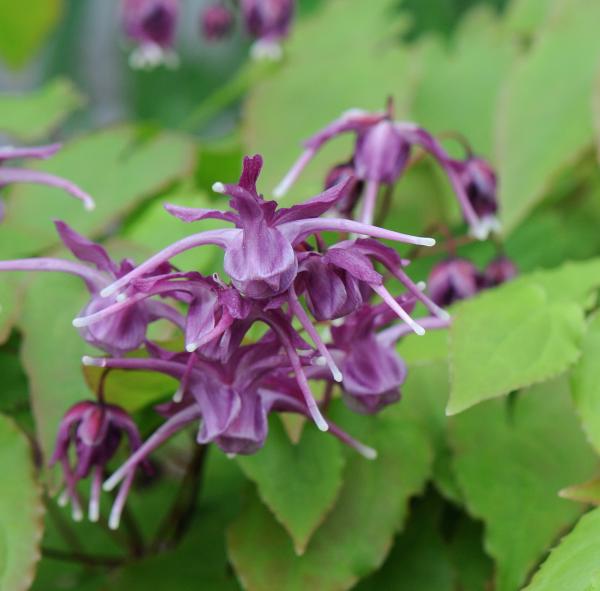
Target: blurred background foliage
{"type": "Point", "coordinates": [467, 502]}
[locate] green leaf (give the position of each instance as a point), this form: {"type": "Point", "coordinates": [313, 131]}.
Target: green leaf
{"type": "Point", "coordinates": [511, 464]}
{"type": "Point", "coordinates": [21, 510]}
{"type": "Point", "coordinates": [322, 56]}
{"type": "Point", "coordinates": [585, 383]}
{"type": "Point", "coordinates": [509, 338]}
{"type": "Point", "coordinates": [573, 565]}
{"type": "Point", "coordinates": [456, 91]}
{"type": "Point", "coordinates": [545, 124]}
{"type": "Point", "coordinates": [524, 17]}
{"type": "Point", "coordinates": [419, 559]}
{"type": "Point", "coordinates": [357, 534]}
{"type": "Point", "coordinates": [298, 482]}
{"type": "Point", "coordinates": [22, 32]}
{"type": "Point", "coordinates": [113, 166]}
{"type": "Point", "coordinates": [426, 391]}
{"type": "Point", "coordinates": [35, 115]}
{"type": "Point", "coordinates": [10, 302]}
{"type": "Point", "coordinates": [51, 351]}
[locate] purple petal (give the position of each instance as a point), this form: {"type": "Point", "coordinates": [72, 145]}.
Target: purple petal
{"type": "Point", "coordinates": [42, 152]}
{"type": "Point", "coordinates": [84, 249]}
{"type": "Point", "coordinates": [195, 214]}
{"type": "Point", "coordinates": [353, 261]}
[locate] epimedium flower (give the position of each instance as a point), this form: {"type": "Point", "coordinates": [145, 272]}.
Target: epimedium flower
{"type": "Point", "coordinates": [95, 430]}
{"type": "Point", "coordinates": [152, 25]}
{"type": "Point", "coordinates": [499, 271]}
{"type": "Point", "coordinates": [453, 279]}
{"type": "Point", "coordinates": [118, 333]}
{"type": "Point", "coordinates": [268, 22]}
{"type": "Point", "coordinates": [217, 21]}
{"type": "Point", "coordinates": [232, 401]}
{"type": "Point", "coordinates": [11, 175]}
{"type": "Point", "coordinates": [259, 252]}
{"type": "Point", "coordinates": [382, 152]}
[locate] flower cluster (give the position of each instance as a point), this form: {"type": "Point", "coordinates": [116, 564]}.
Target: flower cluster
{"type": "Point", "coordinates": [325, 316]}
{"type": "Point", "coordinates": [152, 26]}
{"type": "Point", "coordinates": [382, 151]}
{"type": "Point", "coordinates": [10, 175]}
{"type": "Point", "coordinates": [455, 278]}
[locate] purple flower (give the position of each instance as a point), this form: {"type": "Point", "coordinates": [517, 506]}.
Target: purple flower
{"type": "Point", "coordinates": [499, 271]}
{"type": "Point", "coordinates": [259, 253]}
{"type": "Point", "coordinates": [216, 22]}
{"type": "Point", "coordinates": [122, 331]}
{"type": "Point", "coordinates": [381, 153]}
{"type": "Point", "coordinates": [453, 279]}
{"type": "Point", "coordinates": [267, 21]}
{"type": "Point", "coordinates": [10, 175]}
{"type": "Point", "coordinates": [94, 430]}
{"type": "Point", "coordinates": [480, 184]}
{"type": "Point", "coordinates": [151, 24]}
{"type": "Point", "coordinates": [341, 173]}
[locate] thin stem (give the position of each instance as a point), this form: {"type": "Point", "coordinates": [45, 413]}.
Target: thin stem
{"type": "Point", "coordinates": [83, 558]}
{"type": "Point", "coordinates": [178, 520]}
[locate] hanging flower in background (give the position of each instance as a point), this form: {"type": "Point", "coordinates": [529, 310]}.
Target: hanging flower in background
{"type": "Point", "coordinates": [268, 22]}
{"type": "Point", "coordinates": [382, 152]}
{"type": "Point", "coordinates": [151, 25]}
{"type": "Point", "coordinates": [216, 22]}
{"type": "Point", "coordinates": [11, 175]}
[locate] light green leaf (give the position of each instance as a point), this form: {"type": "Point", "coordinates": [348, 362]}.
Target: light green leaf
{"type": "Point", "coordinates": [113, 166]}
{"type": "Point", "coordinates": [51, 351]}
{"type": "Point", "coordinates": [34, 116]}
{"type": "Point", "coordinates": [357, 534]}
{"type": "Point", "coordinates": [525, 16]}
{"type": "Point", "coordinates": [9, 306]}
{"type": "Point", "coordinates": [298, 482]}
{"type": "Point", "coordinates": [509, 338]}
{"type": "Point", "coordinates": [545, 124]}
{"type": "Point", "coordinates": [323, 57]}
{"type": "Point", "coordinates": [573, 565]}
{"type": "Point", "coordinates": [22, 32]}
{"type": "Point", "coordinates": [585, 383]}
{"type": "Point", "coordinates": [459, 86]}
{"type": "Point", "coordinates": [511, 464]}
{"type": "Point", "coordinates": [21, 510]}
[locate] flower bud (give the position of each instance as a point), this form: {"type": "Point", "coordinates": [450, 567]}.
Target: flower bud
{"type": "Point", "coordinates": [499, 271]}
{"type": "Point", "coordinates": [216, 22]}
{"type": "Point", "coordinates": [452, 280]}
{"type": "Point", "coordinates": [341, 173]}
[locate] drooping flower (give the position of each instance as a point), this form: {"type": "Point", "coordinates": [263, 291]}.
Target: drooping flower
{"type": "Point", "coordinates": [259, 253]}
{"type": "Point", "coordinates": [381, 153]}
{"type": "Point", "coordinates": [453, 279]}
{"type": "Point", "coordinates": [480, 184]}
{"type": "Point", "coordinates": [268, 22]}
{"type": "Point", "coordinates": [152, 25]}
{"type": "Point", "coordinates": [11, 175]}
{"type": "Point", "coordinates": [341, 173]}
{"type": "Point", "coordinates": [499, 271]}
{"type": "Point", "coordinates": [216, 23]}
{"type": "Point", "coordinates": [94, 430]}
{"type": "Point", "coordinates": [120, 332]}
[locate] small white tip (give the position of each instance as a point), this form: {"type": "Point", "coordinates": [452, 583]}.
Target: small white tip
{"type": "Point", "coordinates": [191, 347]}
{"type": "Point", "coordinates": [321, 422]}
{"type": "Point", "coordinates": [231, 456]}
{"type": "Point", "coordinates": [178, 396]}
{"type": "Point", "coordinates": [121, 297]}
{"type": "Point", "coordinates": [63, 498]}
{"type": "Point", "coordinates": [107, 291]}
{"type": "Point", "coordinates": [94, 512]}
{"type": "Point", "coordinates": [421, 286]}
{"type": "Point", "coordinates": [218, 187]}
{"type": "Point", "coordinates": [78, 322]}
{"type": "Point", "coordinates": [418, 329]}
{"type": "Point", "coordinates": [113, 521]}
{"type": "Point", "coordinates": [93, 361]}
{"type": "Point", "coordinates": [89, 205]}
{"type": "Point", "coordinates": [337, 375]}
{"type": "Point", "coordinates": [77, 513]}
{"type": "Point", "coordinates": [442, 314]}
{"type": "Point", "coordinates": [367, 452]}
{"type": "Point", "coordinates": [110, 484]}
{"type": "Point", "coordinates": [426, 241]}
{"type": "Point", "coordinates": [279, 191]}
